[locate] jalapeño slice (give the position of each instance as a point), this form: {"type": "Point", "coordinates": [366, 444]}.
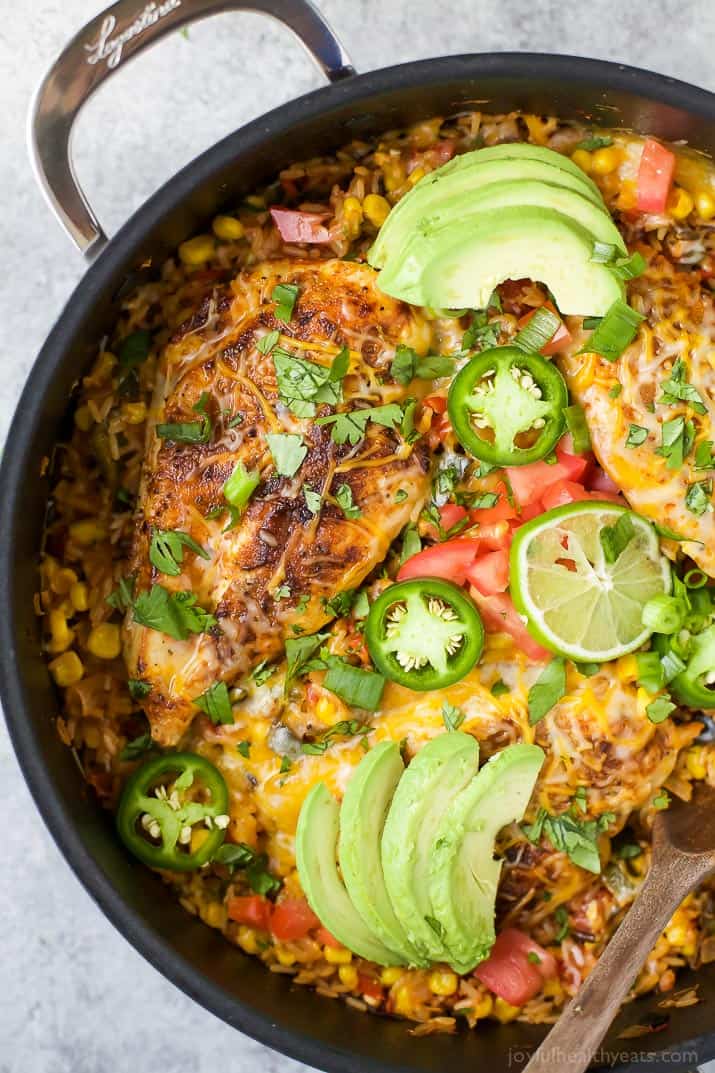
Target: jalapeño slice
{"type": "Point", "coordinates": [164, 802]}
{"type": "Point", "coordinates": [507, 406]}
{"type": "Point", "coordinates": [424, 633]}
{"type": "Point", "coordinates": [694, 686]}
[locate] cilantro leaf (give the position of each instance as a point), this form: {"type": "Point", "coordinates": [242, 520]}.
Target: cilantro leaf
{"type": "Point", "coordinates": [244, 748]}
{"type": "Point", "coordinates": [704, 457]}
{"type": "Point", "coordinates": [344, 499]}
{"type": "Point", "coordinates": [166, 551]}
{"type": "Point", "coordinates": [299, 650]}
{"type": "Point", "coordinates": [303, 383]}
{"type": "Point", "coordinates": [568, 833]}
{"type": "Point", "coordinates": [186, 431]}
{"type": "Point", "coordinates": [288, 452]}
{"type": "Point", "coordinates": [616, 538]}
{"type": "Point", "coordinates": [659, 709]}
{"type": "Point", "coordinates": [636, 436]}
{"type": "Point", "coordinates": [137, 747]}
{"type": "Point", "coordinates": [349, 427]}
{"type": "Point", "coordinates": [254, 864]}
{"type": "Point", "coordinates": [134, 349]}
{"type": "Point", "coordinates": [677, 441]}
{"type": "Point", "coordinates": [548, 688]}
{"type": "Point", "coordinates": [216, 703]}
{"type": "Point", "coordinates": [499, 688]}
{"type": "Point", "coordinates": [121, 598]}
{"type": "Point", "coordinates": [697, 499]}
{"type": "Point", "coordinates": [595, 141]}
{"type": "Point", "coordinates": [285, 296]}
{"type": "Point", "coordinates": [677, 389]}
{"type": "Point", "coordinates": [452, 717]}
{"type": "Point", "coordinates": [173, 613]}
{"type": "Point", "coordinates": [480, 334]}
{"type": "Point", "coordinates": [138, 689]}
{"type": "Point", "coordinates": [345, 728]}
{"type": "Point", "coordinates": [313, 500]}
{"type": "Point", "coordinates": [266, 343]}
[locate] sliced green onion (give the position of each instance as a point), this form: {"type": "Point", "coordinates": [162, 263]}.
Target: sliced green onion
{"type": "Point", "coordinates": [362, 689]}
{"type": "Point", "coordinates": [576, 424]}
{"type": "Point", "coordinates": [616, 331]}
{"type": "Point", "coordinates": [589, 323]}
{"type": "Point", "coordinates": [650, 671]}
{"type": "Point", "coordinates": [672, 665]}
{"type": "Point", "coordinates": [285, 296]}
{"type": "Point", "coordinates": [603, 253]}
{"type": "Point", "coordinates": [186, 431]}
{"type": "Point", "coordinates": [536, 334]}
{"type": "Point", "coordinates": [241, 485]}
{"type": "Point", "coordinates": [629, 267]}
{"type": "Point", "coordinates": [695, 579]}
{"type": "Point", "coordinates": [664, 614]}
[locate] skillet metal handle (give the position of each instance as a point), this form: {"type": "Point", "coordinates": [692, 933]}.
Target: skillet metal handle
{"type": "Point", "coordinates": [113, 37]}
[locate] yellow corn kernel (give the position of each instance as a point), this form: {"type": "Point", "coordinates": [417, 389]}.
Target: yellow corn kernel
{"type": "Point", "coordinates": [605, 160]}
{"type": "Point", "coordinates": [352, 217]}
{"type": "Point", "coordinates": [705, 205]}
{"type": "Point", "coordinates": [442, 982]}
{"type": "Point", "coordinates": [246, 936]}
{"type": "Point", "coordinates": [197, 251]}
{"type": "Point", "coordinates": [376, 208]}
{"type": "Point", "coordinates": [62, 580]}
{"type": "Point", "coordinates": [324, 709]}
{"type": "Point", "coordinates": [61, 636]}
{"type": "Point", "coordinates": [694, 761]}
{"type": "Point", "coordinates": [198, 837]}
{"type": "Point", "coordinates": [214, 915]}
{"type": "Point", "coordinates": [403, 1001]}
{"type": "Point", "coordinates": [285, 957]}
{"type": "Point", "coordinates": [643, 699]}
{"type": "Point", "coordinates": [583, 158]}
{"type": "Point", "coordinates": [105, 641]}
{"type": "Point", "coordinates": [79, 596]}
{"type": "Point", "coordinates": [67, 669]}
{"type": "Point", "coordinates": [348, 975]}
{"type": "Point", "coordinates": [337, 955]}
{"type": "Point", "coordinates": [87, 532]}
{"type": "Point", "coordinates": [415, 176]}
{"type": "Point", "coordinates": [227, 227]}
{"type": "Point", "coordinates": [504, 1011]}
{"type": "Point", "coordinates": [83, 418]}
{"type": "Point", "coordinates": [553, 988]}
{"type": "Point", "coordinates": [393, 173]}
{"type": "Point", "coordinates": [484, 1007]}
{"type": "Point", "coordinates": [134, 412]}
{"type": "Point", "coordinates": [391, 975]}
{"type": "Point", "coordinates": [680, 204]}
{"type": "Point", "coordinates": [627, 669]}
{"type": "Point", "coordinates": [255, 201]}
{"type": "Point", "coordinates": [102, 370]}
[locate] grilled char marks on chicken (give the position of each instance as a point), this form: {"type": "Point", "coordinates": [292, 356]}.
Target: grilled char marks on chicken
{"type": "Point", "coordinates": [283, 559]}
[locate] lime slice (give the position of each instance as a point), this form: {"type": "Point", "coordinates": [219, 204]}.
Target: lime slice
{"type": "Point", "coordinates": [582, 584]}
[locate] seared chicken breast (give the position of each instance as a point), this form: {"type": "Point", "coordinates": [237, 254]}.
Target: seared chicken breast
{"type": "Point", "coordinates": [323, 513]}
{"type": "Point", "coordinates": [649, 412]}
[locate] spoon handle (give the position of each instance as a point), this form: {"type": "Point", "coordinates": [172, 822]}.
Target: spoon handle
{"type": "Point", "coordinates": [573, 1040]}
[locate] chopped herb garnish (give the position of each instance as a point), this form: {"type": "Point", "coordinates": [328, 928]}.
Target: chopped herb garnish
{"type": "Point", "coordinates": [677, 389]}
{"type": "Point", "coordinates": [174, 613]}
{"type": "Point", "coordinates": [407, 366]}
{"type": "Point", "coordinates": [568, 833]}
{"type": "Point", "coordinates": [547, 690]}
{"type": "Point", "coordinates": [677, 441]}
{"type": "Point", "coordinates": [588, 669]}
{"type": "Point", "coordinates": [435, 925]}
{"type": "Point", "coordinates": [201, 404]}
{"type": "Point", "coordinates": [216, 703]}
{"type": "Point", "coordinates": [344, 499]}
{"type": "Point", "coordinates": [411, 543]}
{"type": "Point", "coordinates": [262, 672]}
{"type": "Point", "coordinates": [282, 592]}
{"type": "Point", "coordinates": [577, 426]}
{"type": "Point", "coordinates": [312, 499]}
{"type": "Point", "coordinates": [627, 851]}
{"type": "Point", "coordinates": [354, 685]}
{"type": "Point", "coordinates": [302, 603]}
{"type": "Point", "coordinates": [452, 717]}
{"type": "Point", "coordinates": [636, 435]}
{"type": "Point", "coordinates": [659, 709]}
{"type": "Point", "coordinates": [704, 457]}
{"type": "Point", "coordinates": [615, 391]}
{"type": "Point", "coordinates": [286, 764]}
{"type": "Point", "coordinates": [244, 748]}
{"type": "Point", "coordinates": [595, 141]}
{"type": "Point", "coordinates": [266, 343]}
{"type": "Point", "coordinates": [134, 349]}
{"type": "Point", "coordinates": [616, 331]}
{"type": "Point", "coordinates": [302, 384]}
{"type": "Point", "coordinates": [341, 603]}
{"type": "Point", "coordinates": [166, 551]}
{"type": "Point", "coordinates": [661, 800]}
{"type": "Point", "coordinates": [299, 651]}
{"type": "Point", "coordinates": [285, 296]}
{"type": "Point", "coordinates": [400, 495]}
{"type": "Point", "coordinates": [137, 747]}
{"type": "Point", "coordinates": [562, 919]}
{"type": "Point", "coordinates": [138, 688]}
{"type": "Point", "coordinates": [480, 334]}
{"type": "Point", "coordinates": [533, 958]}
{"type": "Point", "coordinates": [186, 431]}
{"type": "Point", "coordinates": [239, 488]}
{"type": "Point", "coordinates": [349, 427]}
{"type": "Point", "coordinates": [361, 607]}
{"type": "Point", "coordinates": [697, 499]}
{"type": "Point", "coordinates": [499, 688]}
{"type": "Point", "coordinates": [121, 598]}
{"type": "Point", "coordinates": [288, 452]}
{"type": "Point", "coordinates": [483, 501]}
{"type": "Point", "coordinates": [346, 728]}
{"type": "Point", "coordinates": [616, 538]}
{"type": "Point", "coordinates": [254, 864]}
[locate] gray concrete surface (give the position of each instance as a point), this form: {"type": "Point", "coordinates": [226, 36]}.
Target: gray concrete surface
{"type": "Point", "coordinates": [74, 998]}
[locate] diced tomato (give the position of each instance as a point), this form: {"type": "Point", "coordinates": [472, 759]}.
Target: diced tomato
{"type": "Point", "coordinates": [500, 616]}
{"type": "Point", "coordinates": [490, 573]}
{"type": "Point", "coordinates": [493, 537]}
{"type": "Point", "coordinates": [528, 482]}
{"type": "Point", "coordinates": [369, 987]}
{"type": "Point", "coordinates": [655, 177]}
{"type": "Point", "coordinates": [577, 466]}
{"type": "Point", "coordinates": [561, 337]}
{"type": "Point", "coordinates": [438, 403]}
{"type": "Point", "coordinates": [500, 512]}
{"type": "Point", "coordinates": [516, 968]}
{"type": "Point", "coordinates": [601, 482]}
{"type": "Point", "coordinates": [326, 938]}
{"type": "Point", "coordinates": [557, 495]}
{"type": "Point", "coordinates": [450, 514]}
{"type": "Point", "coordinates": [254, 910]}
{"type": "Point", "coordinates": [292, 919]}
{"type": "Point", "coordinates": [443, 150]}
{"type": "Point", "coordinates": [449, 560]}
{"type": "Point", "coordinates": [440, 429]}
{"type": "Point", "coordinates": [297, 226]}
{"type": "Point", "coordinates": [531, 510]}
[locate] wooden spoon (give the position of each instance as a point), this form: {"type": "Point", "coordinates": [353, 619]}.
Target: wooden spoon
{"type": "Point", "coordinates": [683, 855]}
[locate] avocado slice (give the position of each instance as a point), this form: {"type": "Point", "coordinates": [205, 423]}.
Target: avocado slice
{"type": "Point", "coordinates": [461, 266]}
{"type": "Point", "coordinates": [442, 768]}
{"type": "Point", "coordinates": [463, 873]}
{"type": "Point", "coordinates": [519, 151]}
{"type": "Point", "coordinates": [362, 818]}
{"type": "Point", "coordinates": [465, 176]}
{"type": "Point", "coordinates": [316, 843]}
